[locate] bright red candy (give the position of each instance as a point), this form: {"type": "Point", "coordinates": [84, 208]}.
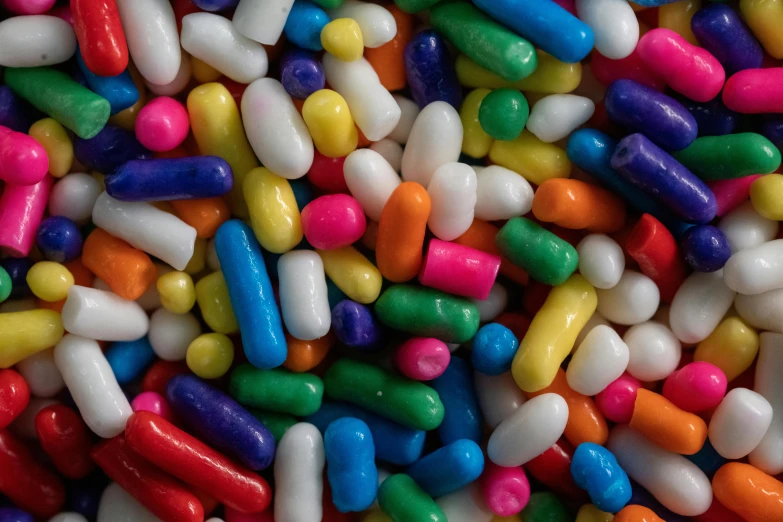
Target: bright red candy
{"type": "Point", "coordinates": [607, 71]}
{"type": "Point", "coordinates": [553, 469]}
{"type": "Point", "coordinates": [14, 396]}
{"type": "Point", "coordinates": [327, 174]}
{"type": "Point", "coordinates": [100, 35]}
{"type": "Point", "coordinates": [159, 374]}
{"type": "Point", "coordinates": [65, 438]}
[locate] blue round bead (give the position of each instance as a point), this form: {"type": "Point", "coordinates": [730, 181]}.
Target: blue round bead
{"type": "Point", "coordinates": [706, 248]}
{"type": "Point", "coordinates": [494, 347]}
{"type": "Point", "coordinates": [304, 24]}
{"type": "Point", "coordinates": [59, 239]}
{"type": "Point", "coordinates": [355, 326]}
{"type": "Point", "coordinates": [17, 269]}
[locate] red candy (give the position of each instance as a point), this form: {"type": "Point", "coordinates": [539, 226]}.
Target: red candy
{"type": "Point", "coordinates": [553, 469]}
{"type": "Point", "coordinates": [632, 67]}
{"type": "Point", "coordinates": [65, 438]}
{"type": "Point", "coordinates": [100, 35]}
{"type": "Point", "coordinates": [157, 377]}
{"type": "Point", "coordinates": [14, 396]}
{"type": "Point", "coordinates": [327, 174]}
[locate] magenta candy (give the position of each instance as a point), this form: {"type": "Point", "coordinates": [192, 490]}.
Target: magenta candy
{"type": "Point", "coordinates": [21, 210]}
{"type": "Point", "coordinates": [28, 7]}
{"type": "Point", "coordinates": [731, 193]}
{"type": "Point", "coordinates": [154, 402]}
{"type": "Point", "coordinates": [506, 490]}
{"type": "Point", "coordinates": [423, 358]}
{"type": "Point", "coordinates": [689, 70]}
{"type": "Point", "coordinates": [23, 161]}
{"type": "Point", "coordinates": [696, 387]}
{"type": "Point", "coordinates": [755, 91]}
{"type": "Point", "coordinates": [334, 221]}
{"type": "Point", "coordinates": [458, 269]}
{"type": "Point", "coordinates": [162, 124]}
{"type": "Point", "coordinates": [617, 400]}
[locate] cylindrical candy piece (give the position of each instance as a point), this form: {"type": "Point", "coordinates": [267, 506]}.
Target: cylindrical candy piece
{"type": "Point", "coordinates": [751, 493]}
{"type": "Point", "coordinates": [350, 458]}
{"type": "Point", "coordinates": [720, 30]}
{"type": "Point", "coordinates": [596, 470]}
{"type": "Point", "coordinates": [277, 390]}
{"type": "Point", "coordinates": [767, 455]}
{"type": "Point", "coordinates": [430, 71]}
{"type": "Point", "coordinates": [129, 272]}
{"type": "Point", "coordinates": [26, 333]}
{"type": "Point", "coordinates": [65, 438]}
{"type": "Point", "coordinates": [666, 425]}
{"type": "Point", "coordinates": [449, 468]}
{"type": "Point", "coordinates": [303, 295]}
{"type": "Point", "coordinates": [452, 192]}
{"type": "Point", "coordinates": [696, 387]}
{"type": "Point", "coordinates": [463, 416]}
{"type": "Point", "coordinates": [574, 204]}
{"type": "Point", "coordinates": [104, 316]}
{"type": "Point", "coordinates": [299, 466]}
{"type": "Point", "coordinates": [714, 158]}
{"type": "Point", "coordinates": [739, 423]}
{"type": "Point", "coordinates": [262, 22]}
{"type": "Point", "coordinates": [658, 255]}
{"type": "Point", "coordinates": [153, 39]}
{"type": "Point", "coordinates": [753, 91]}
{"type": "Point", "coordinates": [459, 269]}
{"type": "Point", "coordinates": [14, 396]}
{"type": "Point", "coordinates": [434, 140]}
{"type": "Point", "coordinates": [21, 210]}
{"type": "Point", "coordinates": [35, 40]}
{"type": "Point", "coordinates": [600, 359]}
{"type": "Point", "coordinates": [101, 39]}
{"type": "Point", "coordinates": [404, 501]}
{"type": "Point", "coordinates": [401, 231]}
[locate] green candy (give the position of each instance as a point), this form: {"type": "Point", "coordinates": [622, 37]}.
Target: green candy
{"type": "Point", "coordinates": [404, 501]}
{"type": "Point", "coordinates": [276, 423]}
{"type": "Point", "coordinates": [714, 158]}
{"type": "Point", "coordinates": [485, 41]}
{"type": "Point", "coordinates": [503, 114]}
{"type": "Point", "coordinates": [408, 402]}
{"type": "Point", "coordinates": [5, 284]}
{"type": "Point", "coordinates": [277, 390]}
{"type": "Point", "coordinates": [425, 312]}
{"type": "Point", "coordinates": [547, 258]}
{"type": "Point", "coordinates": [545, 507]}
{"type": "Point", "coordinates": [329, 4]}
{"type": "Point", "coordinates": [415, 6]}
{"type": "Point", "coordinates": [54, 93]}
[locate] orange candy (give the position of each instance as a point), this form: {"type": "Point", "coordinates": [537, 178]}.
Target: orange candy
{"type": "Point", "coordinates": [481, 236]}
{"type": "Point", "coordinates": [635, 513]}
{"type": "Point", "coordinates": [303, 356]}
{"type": "Point", "coordinates": [398, 249]}
{"type": "Point", "coordinates": [574, 204]}
{"type": "Point", "coordinates": [127, 270]}
{"type": "Point", "coordinates": [749, 492]}
{"type": "Point", "coordinates": [671, 428]}
{"type": "Point", "coordinates": [388, 60]}
{"type": "Point", "coordinates": [205, 215]}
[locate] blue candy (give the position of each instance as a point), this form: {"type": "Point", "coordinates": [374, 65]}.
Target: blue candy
{"type": "Point", "coordinates": [350, 464]}
{"type": "Point", "coordinates": [430, 71]}
{"type": "Point", "coordinates": [304, 24]}
{"type": "Point", "coordinates": [17, 269]}
{"type": "Point", "coordinates": [169, 179]}
{"type": "Point", "coordinates": [84, 496]}
{"type": "Point", "coordinates": [494, 347]}
{"type": "Point", "coordinates": [355, 325]}
{"type": "Point", "coordinates": [713, 117]}
{"type": "Point", "coordinates": [707, 459]}
{"type": "Point", "coordinates": [653, 3]}
{"type": "Point", "coordinates": [722, 32]}
{"type": "Point", "coordinates": [301, 74]}
{"type": "Point", "coordinates": [109, 149]}
{"type": "Point", "coordinates": [449, 468]}
{"type": "Point", "coordinates": [220, 421]}
{"type": "Point", "coordinates": [59, 239]}
{"type": "Point", "coordinates": [15, 515]}
{"type": "Point", "coordinates": [252, 295]}
{"type": "Point", "coordinates": [595, 469]}
{"type": "Point", "coordinates": [215, 5]}
{"type": "Point", "coordinates": [394, 443]}
{"type": "Point", "coordinates": [119, 90]}
{"type": "Point", "coordinates": [705, 248]}
{"type": "Point", "coordinates": [128, 359]}
{"type": "Point", "coordinates": [463, 418]}
{"type": "Point", "coordinates": [16, 113]}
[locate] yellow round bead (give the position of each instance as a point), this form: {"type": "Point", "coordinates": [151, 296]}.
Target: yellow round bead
{"type": "Point", "coordinates": [177, 292]}
{"type": "Point", "coordinates": [54, 139]}
{"type": "Point", "coordinates": [766, 194]}
{"type": "Point", "coordinates": [342, 38]}
{"type": "Point", "coordinates": [49, 281]}
{"type": "Point", "coordinates": [210, 355]}
{"type": "Point", "coordinates": [330, 123]}
{"type": "Point", "coordinates": [475, 140]}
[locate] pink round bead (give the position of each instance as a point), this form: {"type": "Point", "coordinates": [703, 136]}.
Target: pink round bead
{"type": "Point", "coordinates": [755, 91]}
{"type": "Point", "coordinates": [23, 161]}
{"type": "Point", "coordinates": [154, 402]}
{"type": "Point", "coordinates": [21, 210]}
{"type": "Point", "coordinates": [506, 490]}
{"type": "Point", "coordinates": [459, 270]}
{"type": "Point", "coordinates": [334, 221]}
{"type": "Point", "coordinates": [617, 400]}
{"type": "Point", "coordinates": [731, 193]}
{"type": "Point", "coordinates": [28, 7]}
{"type": "Point", "coordinates": [423, 358]}
{"type": "Point", "coordinates": [696, 387]}
{"type": "Point", "coordinates": [162, 125]}
{"type": "Point", "coordinates": [232, 515]}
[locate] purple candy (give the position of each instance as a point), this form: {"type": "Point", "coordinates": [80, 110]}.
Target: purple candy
{"type": "Point", "coordinates": [355, 326]}
{"type": "Point", "coordinates": [721, 31]}
{"type": "Point", "coordinates": [109, 149]}
{"type": "Point", "coordinates": [301, 74]}
{"type": "Point", "coordinates": [705, 248]}
{"type": "Point", "coordinates": [15, 113]}
{"type": "Point", "coordinates": [15, 515]}
{"type": "Point", "coordinates": [430, 71]}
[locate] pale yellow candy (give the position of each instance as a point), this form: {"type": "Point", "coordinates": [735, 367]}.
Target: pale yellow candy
{"type": "Point", "coordinates": [54, 139]}
{"type": "Point", "coordinates": [765, 18]}
{"type": "Point", "coordinates": [531, 158]}
{"type": "Point", "coordinates": [215, 304]}
{"type": "Point", "coordinates": [342, 38]}
{"type": "Point", "coordinates": [590, 513]}
{"type": "Point", "coordinates": [177, 292]}
{"type": "Point", "coordinates": [766, 195]}
{"type": "Point", "coordinates": [677, 17]}
{"type": "Point", "coordinates": [732, 347]}
{"type": "Point", "coordinates": [199, 259]}
{"type": "Point", "coordinates": [353, 273]}
{"type": "Point", "coordinates": [210, 355]}
{"type": "Point", "coordinates": [475, 140]}
{"type": "Point", "coordinates": [24, 333]}
{"type": "Point", "coordinates": [274, 214]}
{"type": "Point", "coordinates": [551, 76]}
{"type": "Point", "coordinates": [331, 125]}
{"type": "Point", "coordinates": [49, 281]}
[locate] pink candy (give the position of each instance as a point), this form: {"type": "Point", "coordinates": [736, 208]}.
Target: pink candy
{"type": "Point", "coordinates": [21, 210]}
{"type": "Point", "coordinates": [755, 91]}
{"type": "Point", "coordinates": [162, 124]}
{"type": "Point", "coordinates": [696, 387]}
{"type": "Point", "coordinates": [28, 7]}
{"type": "Point", "coordinates": [334, 221]}
{"type": "Point", "coordinates": [616, 401]}
{"type": "Point", "coordinates": [154, 402]}
{"type": "Point", "coordinates": [23, 161]}
{"type": "Point", "coordinates": [459, 269]}
{"type": "Point", "coordinates": [506, 490]}
{"type": "Point", "coordinates": [731, 193]}
{"type": "Point", "coordinates": [423, 359]}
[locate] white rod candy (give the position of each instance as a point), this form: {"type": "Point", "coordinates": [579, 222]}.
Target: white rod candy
{"type": "Point", "coordinates": [633, 300]}
{"type": "Point", "coordinates": [171, 334]}
{"type": "Point", "coordinates": [35, 41]}
{"type": "Point", "coordinates": [299, 466]}
{"type": "Point", "coordinates": [276, 130]}
{"type": "Point", "coordinates": [303, 295]}
{"type": "Point", "coordinates": [698, 306]}
{"type": "Point", "coordinates": [601, 260]}
{"type": "Point", "coordinates": [103, 316]}
{"type": "Point", "coordinates": [756, 270]}
{"type": "Point", "coordinates": [376, 22]}
{"type": "Point", "coordinates": [493, 305]}
{"type": "Point", "coordinates": [600, 359]}
{"type": "Point", "coordinates": [501, 194]}
{"type": "Point", "coordinates": [153, 40]}
{"type": "Point", "coordinates": [68, 517]}
{"type": "Point", "coordinates": [746, 228]}
{"type": "Point", "coordinates": [409, 111]}
{"type": "Point", "coordinates": [529, 431]}
{"type": "Point", "coordinates": [558, 115]}
{"type": "Point", "coordinates": [158, 233]}
{"type": "Point", "coordinates": [739, 423]}
{"type": "Point", "coordinates": [654, 351]}
{"type": "Point", "coordinates": [118, 506]}
{"type": "Point", "coordinates": [762, 311]}
{"type": "Point", "coordinates": [465, 505]}
{"type": "Point", "coordinates": [214, 40]}
{"type": "Point", "coordinates": [262, 20]}
{"type": "Point", "coordinates": [673, 480]}
{"type": "Point", "coordinates": [768, 455]}
{"type": "Point", "coordinates": [614, 24]}
{"type": "Point", "coordinates": [452, 191]}
{"type": "Point", "coordinates": [434, 140]}
{"type": "Point", "coordinates": [391, 152]}
{"type": "Point", "coordinates": [371, 180]}
{"type": "Point", "coordinates": [178, 84]}
{"type": "Point", "coordinates": [41, 374]}
{"type": "Point", "coordinates": [74, 197]}
{"type": "Point", "coordinates": [498, 395]}
{"type": "Point", "coordinates": [373, 107]}
{"type": "Point", "coordinates": [92, 384]}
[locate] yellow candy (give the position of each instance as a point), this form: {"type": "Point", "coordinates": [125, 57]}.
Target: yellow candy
{"type": "Point", "coordinates": [732, 347]}
{"type": "Point", "coordinates": [203, 72]}
{"type": "Point", "coordinates": [127, 118]}
{"type": "Point", "coordinates": [49, 281]}
{"type": "Point", "coordinates": [376, 516]}
{"type": "Point", "coordinates": [177, 292]}
{"type": "Point", "coordinates": [353, 273]}
{"type": "Point", "coordinates": [551, 76]}
{"type": "Point", "coordinates": [274, 214]}
{"type": "Point", "coordinates": [215, 304]}
{"type": "Point", "coordinates": [330, 122]}
{"type": "Point", "coordinates": [590, 513]}
{"type": "Point", "coordinates": [54, 139]}
{"type": "Point", "coordinates": [210, 355]}
{"type": "Point", "coordinates": [24, 333]}
{"type": "Point", "coordinates": [531, 158]}
{"type": "Point", "coordinates": [765, 18]}
{"type": "Point", "coordinates": [552, 333]}
{"type": "Point", "coordinates": [199, 259]}
{"type": "Point", "coordinates": [475, 140]}
{"type": "Point", "coordinates": [342, 38]}
{"type": "Point", "coordinates": [218, 130]}
{"type": "Point", "coordinates": [677, 17]}
{"type": "Point", "coordinates": [766, 194]}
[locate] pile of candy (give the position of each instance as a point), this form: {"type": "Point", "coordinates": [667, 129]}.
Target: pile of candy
{"type": "Point", "coordinates": [242, 281]}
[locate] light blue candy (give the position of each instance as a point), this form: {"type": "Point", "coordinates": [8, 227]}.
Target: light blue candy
{"type": "Point", "coordinates": [494, 347]}
{"type": "Point", "coordinates": [119, 90]}
{"type": "Point", "coordinates": [449, 468]}
{"type": "Point", "coordinates": [350, 464]}
{"type": "Point", "coordinates": [129, 359]}
{"type": "Point", "coordinates": [595, 469]}
{"type": "Point", "coordinates": [456, 390]}
{"type": "Point", "coordinates": [304, 24]}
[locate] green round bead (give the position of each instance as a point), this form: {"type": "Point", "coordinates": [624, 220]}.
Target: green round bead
{"type": "Point", "coordinates": [277, 390]}
{"type": "Point", "coordinates": [503, 114]}
{"type": "Point", "coordinates": [5, 284]}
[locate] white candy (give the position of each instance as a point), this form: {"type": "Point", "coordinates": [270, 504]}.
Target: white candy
{"type": "Point", "coordinates": [633, 300]}
{"type": "Point", "coordinates": [391, 152]}
{"type": "Point", "coordinates": [373, 107]}
{"type": "Point", "coordinates": [262, 20]}
{"type": "Point", "coordinates": [493, 305]}
{"type": "Point", "coordinates": [171, 334]}
{"type": "Point", "coordinates": [299, 466]}
{"type": "Point", "coordinates": [276, 130]}
{"type": "Point", "coordinates": [762, 311]}
{"type": "Point", "coordinates": [591, 323]}
{"type": "Point", "coordinates": [498, 395]}
{"type": "Point", "coordinates": [118, 506]}
{"type": "Point", "coordinates": [303, 294]}
{"type": "Point", "coordinates": [435, 139]}
{"type": "Point", "coordinates": [35, 41]}
{"type": "Point", "coordinates": [24, 424]}
{"type": "Point", "coordinates": [376, 23]}
{"type": "Point", "coordinates": [465, 505]}
{"type": "Point", "coordinates": [41, 374]}
{"type": "Point", "coordinates": [214, 40]}
{"type": "Point", "coordinates": [654, 351]}
{"type": "Point", "coordinates": [68, 517]}
{"type": "Point", "coordinates": [768, 455]}
{"type": "Point", "coordinates": [452, 191]}
{"type": "Point", "coordinates": [103, 316]}
{"type": "Point", "coordinates": [409, 111]}
{"type": "Point", "coordinates": [614, 24]}
{"type": "Point", "coordinates": [558, 115]}
{"type": "Point", "coordinates": [698, 306]}
{"type": "Point", "coordinates": [178, 84]}
{"type": "Point", "coordinates": [74, 197]}
{"type": "Point", "coordinates": [529, 431]}
{"type": "Point", "coordinates": [745, 228]}
{"type": "Point", "coordinates": [92, 384]}
{"type": "Point", "coordinates": [501, 194]}
{"type": "Point", "coordinates": [756, 270]}
{"type": "Point", "coordinates": [601, 260]}
{"type": "Point", "coordinates": [371, 180]}
{"type": "Point", "coordinates": [673, 480]}
{"type": "Point", "coordinates": [739, 423]}
{"type": "Point", "coordinates": [158, 233]}
{"type": "Point", "coordinates": [600, 359]}
{"type": "Point", "coordinates": [153, 40]}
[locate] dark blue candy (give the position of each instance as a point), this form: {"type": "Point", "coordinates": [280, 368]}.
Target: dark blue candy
{"type": "Point", "coordinates": [720, 30]}
{"type": "Point", "coordinates": [596, 470]}
{"type": "Point", "coordinates": [59, 239]}
{"type": "Point", "coordinates": [303, 192]}
{"type": "Point", "coordinates": [17, 269]}
{"type": "Point", "coordinates": [494, 347]}
{"type": "Point", "coordinates": [707, 459]}
{"type": "Point", "coordinates": [215, 5]}
{"type": "Point", "coordinates": [128, 359]}
{"type": "Point", "coordinates": [355, 326]}
{"type": "Point", "coordinates": [705, 248]}
{"type": "Point", "coordinates": [713, 117]}
{"type": "Point", "coordinates": [301, 73]}
{"type": "Point", "coordinates": [430, 71]}
{"type": "Point", "coordinates": [169, 179]}
{"type": "Point", "coordinates": [109, 149]}
{"type": "Point", "coordinates": [16, 113]}
{"type": "Point", "coordinates": [661, 118]}
{"type": "Point", "coordinates": [119, 90]}
{"type": "Point", "coordinates": [350, 464]}
{"type": "Point", "coordinates": [449, 468]}
{"type": "Point", "coordinates": [15, 515]}
{"type": "Point", "coordinates": [304, 24]}
{"type": "Point", "coordinates": [220, 421]}
{"type": "Point", "coordinates": [463, 418]}
{"type": "Point", "coordinates": [772, 129]}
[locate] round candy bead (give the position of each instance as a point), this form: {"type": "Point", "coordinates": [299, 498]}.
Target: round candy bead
{"type": "Point", "coordinates": [343, 39]}
{"type": "Point", "coordinates": [430, 72]}
{"type": "Point", "coordinates": [696, 387]}
{"type": "Point", "coordinates": [494, 347]}
{"type": "Point", "coordinates": [558, 115]}
{"type": "Point", "coordinates": [177, 292]}
{"type": "Point", "coordinates": [24, 160]}
{"type": "Point", "coordinates": [503, 114]}
{"type": "Point", "coordinates": [764, 194]}
{"type": "Point", "coordinates": [304, 24]}
{"type": "Point", "coordinates": [210, 355]}
{"type": "Point", "coordinates": [706, 248]}
{"type": "Point", "coordinates": [601, 358]}
{"type": "Point", "coordinates": [170, 334]}
{"type": "Point", "coordinates": [154, 402]}
{"type": "Point", "coordinates": [300, 71]}
{"type": "Point", "coordinates": [601, 261]}
{"type": "Point", "coordinates": [350, 458]}
{"type": "Point", "coordinates": [506, 491]}
{"type": "Point", "coordinates": [355, 326]}
{"type": "Point", "coordinates": [596, 470]}
{"type": "Point", "coordinates": [616, 401]}
{"type": "Point", "coordinates": [162, 124]}
{"type": "Point", "coordinates": [55, 140]}
{"type": "Point", "coordinates": [6, 286]}
{"type": "Point", "coordinates": [49, 281]}
{"type": "Point", "coordinates": [654, 351]}
{"type": "Point", "coordinates": [74, 197]}
{"type": "Point", "coordinates": [333, 221]}
{"type": "Point", "coordinates": [422, 358]}
{"type": "Point", "coordinates": [59, 239]}
{"type": "Point", "coordinates": [633, 300]}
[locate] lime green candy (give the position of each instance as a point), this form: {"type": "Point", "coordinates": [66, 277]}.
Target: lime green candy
{"type": "Point", "coordinates": [731, 156]}
{"type": "Point", "coordinates": [276, 423]}
{"type": "Point", "coordinates": [405, 401]}
{"type": "Point", "coordinates": [545, 507]}
{"type": "Point", "coordinates": [485, 41]}
{"type": "Point", "coordinates": [56, 94]}
{"type": "Point", "coordinates": [415, 6]}
{"type": "Point", "coordinates": [404, 501]}
{"type": "Point", "coordinates": [5, 284]}
{"type": "Point", "coordinates": [503, 114]}
{"type": "Point", "coordinates": [277, 390]}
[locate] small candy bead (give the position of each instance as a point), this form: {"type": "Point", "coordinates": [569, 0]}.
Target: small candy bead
{"type": "Point", "coordinates": [401, 232]}
{"type": "Point", "coordinates": [300, 72]}
{"type": "Point", "coordinates": [128, 360]}
{"type": "Point", "coordinates": [705, 248]}
{"type": "Point", "coordinates": [74, 197]}
{"type": "Point", "coordinates": [154, 402]}
{"type": "Point", "coordinates": [65, 439]}
{"type": "Point", "coordinates": [355, 326]}
{"type": "Point", "coordinates": [654, 351]}
{"type": "Point", "coordinates": [722, 32]}
{"type": "Point", "coordinates": [739, 423]}
{"type": "Point", "coordinates": [422, 358]}
{"type": "Point", "coordinates": [55, 140]}
{"type": "Point", "coordinates": [108, 149]}
{"type": "Point", "coordinates": [162, 124]}
{"type": "Point", "coordinates": [696, 387]}
{"type": "Point", "coordinates": [333, 221]}
{"type": "Point", "coordinates": [616, 401]}
{"type": "Point", "coordinates": [35, 41]}
{"type": "Point", "coordinates": [6, 286]}
{"type": "Point", "coordinates": [177, 292]}
{"type": "Point", "coordinates": [599, 361]}
{"type": "Point", "coordinates": [377, 24]}
{"type": "Point", "coordinates": [49, 281]}
{"type": "Point", "coordinates": [343, 39]}
{"type": "Point", "coordinates": [732, 347]}
{"type": "Point", "coordinates": [501, 194]}
{"type": "Point", "coordinates": [14, 396]}
{"type": "Point", "coordinates": [430, 72]}
{"type": "Point", "coordinates": [210, 355]}
{"type": "Point", "coordinates": [633, 300]}
{"type": "Point", "coordinates": [59, 239]}
{"type": "Point", "coordinates": [731, 156]}
{"type": "Point", "coordinates": [27, 332]}
{"type": "Point", "coordinates": [573, 204]}
{"type": "Point", "coordinates": [350, 458]}
{"type": "Point", "coordinates": [403, 500]}
{"type": "Point", "coordinates": [449, 468]}
{"type": "Point", "coordinates": [304, 25]}
{"type": "Point", "coordinates": [494, 347]}
{"type": "Point", "coordinates": [614, 24]}
{"type": "Point", "coordinates": [506, 491]}
{"type": "Point", "coordinates": [556, 116]}
{"type": "Point", "coordinates": [503, 114]}
{"type": "Point", "coordinates": [596, 470]}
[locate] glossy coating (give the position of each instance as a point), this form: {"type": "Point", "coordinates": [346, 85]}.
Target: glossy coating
{"type": "Point", "coordinates": [301, 74]}
{"type": "Point", "coordinates": [696, 387]}
{"type": "Point", "coordinates": [553, 469]}
{"type": "Point", "coordinates": [333, 221]}
{"type": "Point", "coordinates": [59, 239]}
{"type": "Point", "coordinates": [129, 359]}
{"type": "Point", "coordinates": [658, 255]}
{"type": "Point", "coordinates": [27, 332]}
{"type": "Point", "coordinates": [667, 425]}
{"type": "Point", "coordinates": [277, 390]}
{"type": "Point", "coordinates": [494, 347]}
{"type": "Point", "coordinates": [456, 390]}
{"type": "Point", "coordinates": [721, 31]}
{"type": "Point", "coordinates": [449, 468]}
{"type": "Point", "coordinates": [66, 439]}
{"type": "Point", "coordinates": [503, 114]}
{"type": "Point", "coordinates": [753, 91]}
{"type": "Point", "coordinates": [458, 270]}
{"type": "Point", "coordinates": [350, 459]}
{"type": "Point", "coordinates": [119, 90]}
{"type": "Point", "coordinates": [14, 396]}
{"type": "Point", "coordinates": [599, 360]}
{"type": "Point", "coordinates": [430, 72]}
{"type": "Point", "coordinates": [705, 248]}
{"type": "Point", "coordinates": [401, 499]}
{"type": "Point", "coordinates": [751, 493]}
{"type": "Point", "coordinates": [616, 401]}
{"type": "Point", "coordinates": [506, 491]}
{"type": "Point", "coordinates": [732, 156]}
{"type": "Point", "coordinates": [739, 423]}
{"type": "Point", "coordinates": [24, 160]}
{"type": "Point", "coordinates": [574, 204]}
{"type": "Point", "coordinates": [355, 326]}
{"type": "Point", "coordinates": [129, 272]}
{"type": "Point", "coordinates": [109, 149]}
{"type": "Point", "coordinates": [153, 43]}
{"type": "Point", "coordinates": [596, 469]}
{"type": "Point", "coordinates": [21, 210]}
{"type": "Point", "coordinates": [304, 24]}
{"type": "Point", "coordinates": [167, 179]}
